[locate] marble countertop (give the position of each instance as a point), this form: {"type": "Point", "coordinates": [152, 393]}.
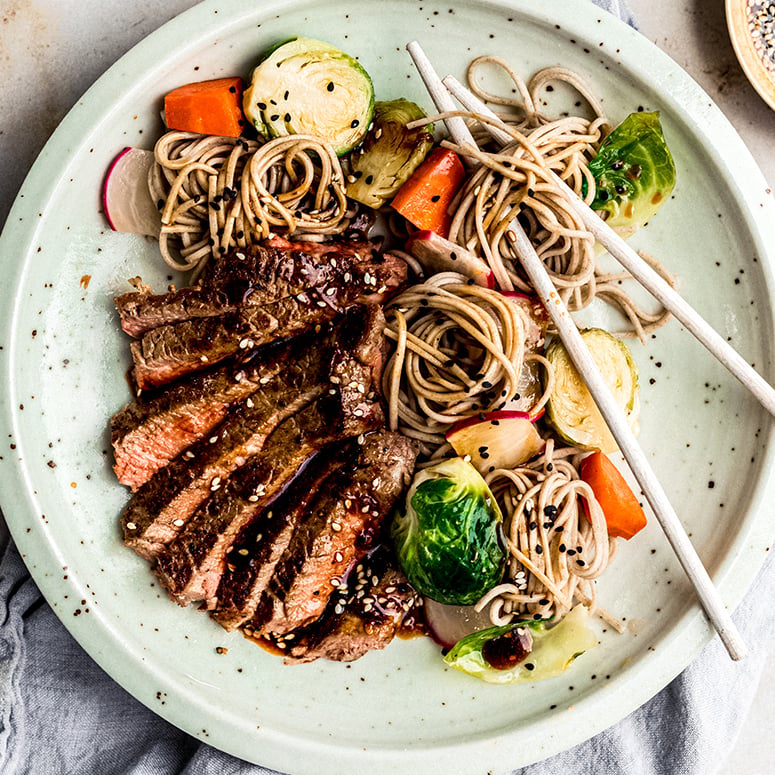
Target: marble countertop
{"type": "Point", "coordinates": [42, 39]}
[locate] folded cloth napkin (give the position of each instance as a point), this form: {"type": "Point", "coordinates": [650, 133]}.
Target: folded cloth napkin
{"type": "Point", "coordinates": [60, 714]}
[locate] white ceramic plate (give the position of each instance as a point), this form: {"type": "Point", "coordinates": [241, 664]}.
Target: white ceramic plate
{"type": "Point", "coordinates": [63, 359]}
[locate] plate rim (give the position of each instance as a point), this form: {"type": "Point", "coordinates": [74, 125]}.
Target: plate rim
{"type": "Point", "coordinates": [12, 480]}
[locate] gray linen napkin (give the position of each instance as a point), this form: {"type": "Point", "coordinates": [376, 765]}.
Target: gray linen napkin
{"type": "Point", "coordinates": [60, 714]}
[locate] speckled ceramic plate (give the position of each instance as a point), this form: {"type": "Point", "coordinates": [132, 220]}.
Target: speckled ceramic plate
{"type": "Point", "coordinates": [62, 360]}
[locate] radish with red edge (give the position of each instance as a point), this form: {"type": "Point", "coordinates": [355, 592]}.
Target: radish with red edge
{"type": "Point", "coordinates": [126, 198]}
{"type": "Point", "coordinates": [502, 439]}
{"type": "Point", "coordinates": [447, 624]}
{"type": "Point", "coordinates": [538, 318]}
{"type": "Point", "coordinates": [438, 254]}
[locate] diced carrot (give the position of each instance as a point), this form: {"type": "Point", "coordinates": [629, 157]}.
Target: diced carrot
{"type": "Point", "coordinates": [207, 107]}
{"type": "Point", "coordinates": [425, 198]}
{"type": "Point", "coordinates": [623, 514]}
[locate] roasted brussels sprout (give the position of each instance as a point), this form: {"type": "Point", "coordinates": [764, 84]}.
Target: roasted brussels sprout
{"type": "Point", "coordinates": [389, 154]}
{"type": "Point", "coordinates": [448, 537]}
{"type": "Point", "coordinates": [634, 173]}
{"type": "Point", "coordinates": [524, 651]}
{"type": "Point", "coordinates": [572, 410]}
{"type": "Point", "coordinates": [306, 86]}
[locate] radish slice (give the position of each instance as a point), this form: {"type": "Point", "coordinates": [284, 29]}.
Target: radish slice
{"type": "Point", "coordinates": [502, 439]}
{"type": "Point", "coordinates": [538, 318]}
{"type": "Point", "coordinates": [447, 624]}
{"type": "Point", "coordinates": [438, 254]}
{"type": "Point", "coordinates": [126, 198]}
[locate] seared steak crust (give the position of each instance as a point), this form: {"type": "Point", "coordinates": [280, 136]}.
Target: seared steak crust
{"type": "Point", "coordinates": [364, 614]}
{"type": "Point", "coordinates": [344, 523]}
{"type": "Point", "coordinates": [192, 565]}
{"type": "Point", "coordinates": [253, 556]}
{"type": "Point", "coordinates": [171, 351]}
{"type": "Point", "coordinates": [150, 432]}
{"type": "Point", "coordinates": [255, 276]}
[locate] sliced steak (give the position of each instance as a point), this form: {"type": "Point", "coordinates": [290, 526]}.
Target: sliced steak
{"type": "Point", "coordinates": [344, 523]}
{"type": "Point", "coordinates": [192, 565]}
{"type": "Point", "coordinates": [162, 506]}
{"type": "Point", "coordinates": [147, 434]}
{"type": "Point", "coordinates": [168, 352]}
{"type": "Point", "coordinates": [258, 548]}
{"type": "Point", "coordinates": [256, 276]}
{"type": "Point", "coordinates": [365, 614]}
{"type": "Point", "coordinates": [352, 350]}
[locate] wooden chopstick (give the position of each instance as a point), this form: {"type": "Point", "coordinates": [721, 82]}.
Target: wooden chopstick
{"type": "Point", "coordinates": [612, 414]}
{"type": "Point", "coordinates": [635, 265]}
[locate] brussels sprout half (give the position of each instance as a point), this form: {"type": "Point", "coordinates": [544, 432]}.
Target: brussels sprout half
{"type": "Point", "coordinates": [537, 651]}
{"type": "Point", "coordinates": [448, 537]}
{"type": "Point", "coordinates": [634, 173]}
{"type": "Point", "coordinates": [389, 154]}
{"type": "Point", "coordinates": [571, 409]}
{"type": "Point", "coordinates": [306, 86]}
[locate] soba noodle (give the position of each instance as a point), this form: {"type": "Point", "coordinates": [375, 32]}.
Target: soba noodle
{"type": "Point", "coordinates": [516, 179]}
{"type": "Point", "coordinates": [219, 193]}
{"type": "Point", "coordinates": [555, 551]}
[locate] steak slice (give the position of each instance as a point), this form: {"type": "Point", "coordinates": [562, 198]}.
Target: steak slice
{"type": "Point", "coordinates": [343, 525]}
{"type": "Point", "coordinates": [162, 506]}
{"type": "Point", "coordinates": [258, 548]}
{"type": "Point", "coordinates": [191, 566]}
{"type": "Point", "coordinates": [256, 276]}
{"type": "Point", "coordinates": [147, 434]}
{"type": "Point", "coordinates": [168, 352]}
{"type": "Point", "coordinates": [353, 350]}
{"type": "Point", "coordinates": [363, 615]}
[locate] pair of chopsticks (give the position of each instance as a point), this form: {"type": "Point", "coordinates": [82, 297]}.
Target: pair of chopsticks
{"type": "Point", "coordinates": [442, 92]}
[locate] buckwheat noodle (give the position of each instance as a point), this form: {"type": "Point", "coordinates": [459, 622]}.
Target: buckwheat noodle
{"type": "Point", "coordinates": [515, 180]}
{"type": "Point", "coordinates": [460, 350]}
{"type": "Point", "coordinates": [219, 193]}
{"type": "Point", "coordinates": [555, 551]}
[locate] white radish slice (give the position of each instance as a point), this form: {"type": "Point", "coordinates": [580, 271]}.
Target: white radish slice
{"type": "Point", "coordinates": [126, 198]}
{"type": "Point", "coordinates": [447, 624]}
{"type": "Point", "coordinates": [537, 318]}
{"type": "Point", "coordinates": [502, 439]}
{"type": "Point", "coordinates": [438, 254]}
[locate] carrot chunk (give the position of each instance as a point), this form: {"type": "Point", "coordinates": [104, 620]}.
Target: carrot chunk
{"type": "Point", "coordinates": [425, 198]}
{"type": "Point", "coordinates": [207, 107]}
{"type": "Point", "coordinates": [623, 514]}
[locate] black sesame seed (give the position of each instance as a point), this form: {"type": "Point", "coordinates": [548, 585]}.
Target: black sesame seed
{"type": "Point", "coordinates": [562, 547]}
{"type": "Point", "coordinates": [539, 549]}
{"type": "Point", "coordinates": [533, 525]}
{"type": "Point", "coordinates": [330, 86]}
{"type": "Point", "coordinates": [435, 198]}
{"type": "Point", "coordinates": [274, 117]}
{"type": "Point", "coordinates": [233, 89]}
{"type": "Point", "coordinates": [287, 117]}
{"type": "Point", "coordinates": [261, 105]}
{"type": "Point", "coordinates": [602, 195]}
{"type": "Point", "coordinates": [621, 190]}
{"type": "Point", "coordinates": [285, 96]}
{"type": "Point", "coordinates": [368, 180]}
{"type": "Point", "coordinates": [530, 665]}
{"type": "Point", "coordinates": [354, 123]}
{"type": "Point", "coordinates": [581, 563]}
{"type": "Point", "coordinates": [571, 552]}
{"type": "Point", "coordinates": [453, 255]}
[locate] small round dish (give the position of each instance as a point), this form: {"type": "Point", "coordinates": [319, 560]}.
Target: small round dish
{"type": "Point", "coordinates": [751, 25]}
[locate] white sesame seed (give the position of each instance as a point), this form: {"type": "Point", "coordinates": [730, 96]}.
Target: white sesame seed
{"type": "Point", "coordinates": [338, 557]}
{"type": "Point", "coordinates": [335, 582]}
{"type": "Point", "coordinates": [131, 526]}
{"type": "Point", "coordinates": [178, 523]}
{"type": "Point", "coordinates": [264, 380]}
{"type": "Point", "coordinates": [213, 439]}
{"type": "Point", "coordinates": [189, 455]}
{"type": "Point", "coordinates": [243, 552]}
